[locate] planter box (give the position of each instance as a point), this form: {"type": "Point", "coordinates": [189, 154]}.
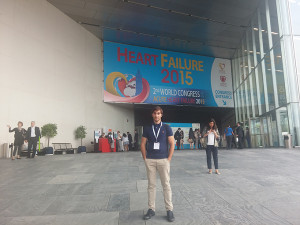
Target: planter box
{"type": "Point", "coordinates": [48, 150]}
{"type": "Point", "coordinates": [81, 149]}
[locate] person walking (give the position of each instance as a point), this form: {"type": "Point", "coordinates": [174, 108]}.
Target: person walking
{"type": "Point", "coordinates": [177, 137]}
{"type": "Point", "coordinates": [240, 135]}
{"type": "Point", "coordinates": [211, 135]}
{"type": "Point", "coordinates": [33, 134]}
{"type": "Point", "coordinates": [20, 134]}
{"type": "Point", "coordinates": [158, 157]}
{"type": "Point", "coordinates": [228, 136]}
{"type": "Point", "coordinates": [191, 138]}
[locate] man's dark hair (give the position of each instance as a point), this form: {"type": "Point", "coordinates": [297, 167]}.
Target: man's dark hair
{"type": "Point", "coordinates": [157, 108]}
{"type": "Point", "coordinates": [179, 128]}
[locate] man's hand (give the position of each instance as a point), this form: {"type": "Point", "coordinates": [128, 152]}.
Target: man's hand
{"type": "Point", "coordinates": [8, 126]}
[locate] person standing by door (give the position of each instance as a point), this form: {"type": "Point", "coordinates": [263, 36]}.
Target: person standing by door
{"type": "Point", "coordinates": [177, 137]}
{"type": "Point", "coordinates": [248, 138]}
{"type": "Point", "coordinates": [191, 138]}
{"type": "Point", "coordinates": [228, 136]}
{"type": "Point", "coordinates": [157, 157]}
{"type": "Point", "coordinates": [211, 135]}
{"type": "Point", "coordinates": [136, 137]}
{"type": "Point", "coordinates": [130, 141]}
{"type": "Point", "coordinates": [33, 134]}
{"type": "Point", "coordinates": [240, 135]}
{"type": "Point", "coordinates": [20, 134]}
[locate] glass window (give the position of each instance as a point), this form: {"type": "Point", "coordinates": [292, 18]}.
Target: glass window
{"type": "Point", "coordinates": [250, 49]}
{"type": "Point", "coordinates": [274, 22]}
{"type": "Point", "coordinates": [254, 91]}
{"type": "Point", "coordinates": [248, 92]}
{"type": "Point", "coordinates": [264, 28]}
{"type": "Point", "coordinates": [256, 37]}
{"type": "Point", "coordinates": [261, 89]}
{"type": "Point", "coordinates": [279, 76]}
{"type": "Point", "coordinates": [269, 79]}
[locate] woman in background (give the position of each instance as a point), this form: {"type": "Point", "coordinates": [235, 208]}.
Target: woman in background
{"type": "Point", "coordinates": [20, 134]}
{"type": "Point", "coordinates": [211, 135]}
{"type": "Point", "coordinates": [125, 142]}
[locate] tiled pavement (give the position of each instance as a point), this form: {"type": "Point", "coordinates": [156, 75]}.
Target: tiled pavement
{"type": "Point", "coordinates": [258, 186]}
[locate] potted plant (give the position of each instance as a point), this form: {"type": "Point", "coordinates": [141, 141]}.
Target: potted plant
{"type": "Point", "coordinates": [80, 133]}
{"type": "Point", "coordinates": [49, 131]}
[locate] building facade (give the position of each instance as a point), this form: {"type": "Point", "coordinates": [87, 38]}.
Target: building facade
{"type": "Point", "coordinates": [266, 74]}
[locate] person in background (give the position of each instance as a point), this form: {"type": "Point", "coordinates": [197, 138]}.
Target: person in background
{"type": "Point", "coordinates": [111, 141]}
{"type": "Point", "coordinates": [240, 135]}
{"type": "Point", "coordinates": [211, 135]}
{"type": "Point", "coordinates": [228, 136]}
{"type": "Point", "coordinates": [177, 137]}
{"type": "Point", "coordinates": [136, 137]}
{"type": "Point", "coordinates": [125, 142]}
{"type": "Point", "coordinates": [33, 134]}
{"type": "Point", "coordinates": [181, 139]}
{"type": "Point", "coordinates": [199, 138]}
{"type": "Point", "coordinates": [196, 138]}
{"type": "Point", "coordinates": [191, 138]}
{"type": "Point", "coordinates": [20, 134]}
{"type": "Point", "coordinates": [130, 140]}
{"type": "Point", "coordinates": [158, 157]}
{"type": "Point", "coordinates": [248, 138]}
{"type": "Point", "coordinates": [120, 142]}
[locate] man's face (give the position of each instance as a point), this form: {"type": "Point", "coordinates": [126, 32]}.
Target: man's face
{"type": "Point", "coordinates": [32, 124]}
{"type": "Point", "coordinates": [156, 115]}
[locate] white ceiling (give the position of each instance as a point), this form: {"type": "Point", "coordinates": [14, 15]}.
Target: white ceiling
{"type": "Point", "coordinates": [205, 27]}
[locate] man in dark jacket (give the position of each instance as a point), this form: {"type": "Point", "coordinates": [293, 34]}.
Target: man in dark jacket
{"type": "Point", "coordinates": [240, 135]}
{"type": "Point", "coordinates": [177, 137]}
{"type": "Point", "coordinates": [33, 134]}
{"type": "Point", "coordinates": [136, 137]}
{"type": "Point", "coordinates": [130, 140]}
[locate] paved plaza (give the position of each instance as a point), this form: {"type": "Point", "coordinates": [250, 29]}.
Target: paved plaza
{"type": "Point", "coordinates": [257, 186]}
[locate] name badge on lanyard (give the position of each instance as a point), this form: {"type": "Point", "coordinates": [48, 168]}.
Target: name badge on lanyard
{"type": "Point", "coordinates": [156, 143]}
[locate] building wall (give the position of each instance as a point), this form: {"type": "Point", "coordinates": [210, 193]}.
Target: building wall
{"type": "Point", "coordinates": [51, 71]}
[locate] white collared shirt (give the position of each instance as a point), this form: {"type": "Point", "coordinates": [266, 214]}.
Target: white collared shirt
{"type": "Point", "coordinates": [33, 132]}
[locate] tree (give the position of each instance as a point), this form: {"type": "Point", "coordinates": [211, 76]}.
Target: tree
{"type": "Point", "coordinates": [49, 130]}
{"type": "Point", "coordinates": [80, 133]}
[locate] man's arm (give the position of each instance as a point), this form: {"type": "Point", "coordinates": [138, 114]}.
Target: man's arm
{"type": "Point", "coordinates": [143, 147]}
{"type": "Point", "coordinates": [172, 146]}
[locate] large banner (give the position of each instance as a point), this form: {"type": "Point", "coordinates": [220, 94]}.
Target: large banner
{"type": "Point", "coordinates": [143, 75]}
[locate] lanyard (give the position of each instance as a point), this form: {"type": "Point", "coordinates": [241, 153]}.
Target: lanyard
{"type": "Point", "coordinates": [156, 136]}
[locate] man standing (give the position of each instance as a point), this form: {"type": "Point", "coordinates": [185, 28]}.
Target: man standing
{"type": "Point", "coordinates": [158, 158]}
{"type": "Point", "coordinates": [177, 137]}
{"type": "Point", "coordinates": [136, 137]}
{"type": "Point", "coordinates": [33, 135]}
{"type": "Point", "coordinates": [240, 135]}
{"type": "Point", "coordinates": [228, 134]}
{"type": "Point", "coordinates": [130, 140]}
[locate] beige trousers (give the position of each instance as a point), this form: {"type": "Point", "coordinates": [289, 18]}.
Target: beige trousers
{"type": "Point", "coordinates": [163, 168]}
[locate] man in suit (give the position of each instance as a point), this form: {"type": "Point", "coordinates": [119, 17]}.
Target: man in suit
{"type": "Point", "coordinates": [130, 140]}
{"type": "Point", "coordinates": [240, 135]}
{"type": "Point", "coordinates": [33, 135]}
